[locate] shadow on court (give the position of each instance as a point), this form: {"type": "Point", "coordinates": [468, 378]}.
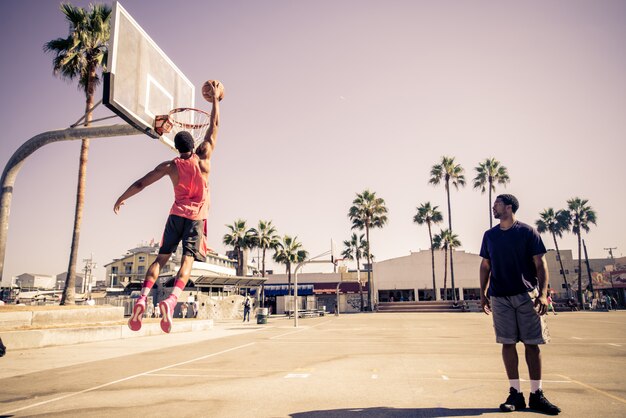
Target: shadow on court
{"type": "Point", "coordinates": [382, 412]}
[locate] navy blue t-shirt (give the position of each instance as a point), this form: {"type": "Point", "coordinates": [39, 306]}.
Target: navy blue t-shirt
{"type": "Point", "coordinates": [511, 255]}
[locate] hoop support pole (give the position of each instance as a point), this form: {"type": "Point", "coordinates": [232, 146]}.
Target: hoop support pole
{"type": "Point", "coordinates": [17, 159]}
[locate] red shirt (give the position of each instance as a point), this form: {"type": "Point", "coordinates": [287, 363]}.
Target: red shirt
{"type": "Point", "coordinates": [190, 194]}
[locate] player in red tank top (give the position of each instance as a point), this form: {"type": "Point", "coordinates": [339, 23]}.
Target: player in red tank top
{"type": "Point", "coordinates": [189, 173]}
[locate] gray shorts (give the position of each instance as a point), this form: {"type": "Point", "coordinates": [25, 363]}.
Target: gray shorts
{"type": "Point", "coordinates": [515, 319]}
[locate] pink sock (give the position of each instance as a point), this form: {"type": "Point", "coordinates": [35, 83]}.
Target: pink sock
{"type": "Point", "coordinates": [178, 288]}
{"type": "Point", "coordinates": [147, 285]}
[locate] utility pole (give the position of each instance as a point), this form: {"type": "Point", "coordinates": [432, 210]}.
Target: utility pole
{"type": "Point", "coordinates": [588, 267]}
{"type": "Point", "coordinates": [610, 250]}
{"type": "Point", "coordinates": [88, 270]}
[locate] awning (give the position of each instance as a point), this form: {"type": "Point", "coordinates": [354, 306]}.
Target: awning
{"type": "Point", "coordinates": [283, 289]}
{"type": "Point", "coordinates": [344, 287]}
{"type": "Point", "coordinates": [216, 280]}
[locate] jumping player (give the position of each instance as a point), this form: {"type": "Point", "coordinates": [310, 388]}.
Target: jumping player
{"type": "Point", "coordinates": [514, 269]}
{"type": "Point", "coordinates": [189, 173]}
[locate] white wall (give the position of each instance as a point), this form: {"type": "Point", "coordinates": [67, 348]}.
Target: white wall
{"type": "Point", "coordinates": [415, 271]}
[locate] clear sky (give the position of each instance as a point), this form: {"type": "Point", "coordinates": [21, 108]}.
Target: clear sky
{"type": "Point", "coordinates": [325, 99]}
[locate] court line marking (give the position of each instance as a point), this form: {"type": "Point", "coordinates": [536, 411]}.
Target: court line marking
{"type": "Point", "coordinates": [434, 342]}
{"type": "Point", "coordinates": [69, 395]}
{"type": "Point", "coordinates": [299, 330]}
{"type": "Point", "coordinates": [600, 391]}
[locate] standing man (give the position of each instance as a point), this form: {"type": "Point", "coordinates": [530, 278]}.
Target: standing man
{"type": "Point", "coordinates": [246, 309]}
{"type": "Point", "coordinates": [189, 173]}
{"type": "Point", "coordinates": [515, 273]}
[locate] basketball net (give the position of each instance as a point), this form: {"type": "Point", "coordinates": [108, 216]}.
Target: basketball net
{"type": "Point", "coordinates": [194, 121]}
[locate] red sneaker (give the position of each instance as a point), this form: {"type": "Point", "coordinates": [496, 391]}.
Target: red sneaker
{"type": "Point", "coordinates": [134, 323]}
{"type": "Point", "coordinates": [167, 311]}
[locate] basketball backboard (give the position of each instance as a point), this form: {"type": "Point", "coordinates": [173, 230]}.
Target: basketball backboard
{"type": "Point", "coordinates": [142, 81]}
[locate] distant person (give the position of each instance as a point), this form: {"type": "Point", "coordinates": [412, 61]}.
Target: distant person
{"type": "Point", "coordinates": [514, 271]}
{"type": "Point", "coordinates": [247, 305]}
{"type": "Point", "coordinates": [3, 349]}
{"type": "Point", "coordinates": [194, 307]}
{"type": "Point", "coordinates": [183, 310]}
{"type": "Point", "coordinates": [550, 305]}
{"type": "Point", "coordinates": [608, 303]}
{"type": "Point", "coordinates": [571, 303]}
{"type": "Point", "coordinates": [189, 173]}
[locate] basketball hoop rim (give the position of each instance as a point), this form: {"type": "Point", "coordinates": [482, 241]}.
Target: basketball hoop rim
{"type": "Point", "coordinates": [184, 125]}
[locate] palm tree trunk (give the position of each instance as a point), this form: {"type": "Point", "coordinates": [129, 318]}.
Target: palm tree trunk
{"type": "Point", "coordinates": [558, 254]}
{"type": "Point", "coordinates": [451, 250]}
{"type": "Point", "coordinates": [432, 256]}
{"type": "Point", "coordinates": [445, 274]}
{"type": "Point", "coordinates": [288, 279]}
{"type": "Point", "coordinates": [370, 278]}
{"type": "Point", "coordinates": [489, 206]}
{"type": "Point", "coordinates": [263, 263]}
{"type": "Point", "coordinates": [580, 277]}
{"type": "Point", "coordinates": [69, 291]}
{"type": "Point", "coordinates": [358, 276]}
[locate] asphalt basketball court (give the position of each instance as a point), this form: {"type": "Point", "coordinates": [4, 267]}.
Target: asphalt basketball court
{"type": "Point", "coordinates": [362, 365]}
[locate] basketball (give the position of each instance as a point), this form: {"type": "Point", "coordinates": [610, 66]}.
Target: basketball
{"type": "Point", "coordinates": [206, 90]}
{"type": "Point", "coordinates": [162, 124]}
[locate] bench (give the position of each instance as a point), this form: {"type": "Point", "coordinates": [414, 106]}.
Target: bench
{"type": "Point", "coordinates": [309, 313]}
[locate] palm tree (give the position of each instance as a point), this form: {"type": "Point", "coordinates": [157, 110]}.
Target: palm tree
{"type": "Point", "coordinates": [367, 212]}
{"type": "Point", "coordinates": [447, 171]}
{"type": "Point", "coordinates": [354, 249]}
{"type": "Point", "coordinates": [555, 223]}
{"type": "Point", "coordinates": [489, 173]}
{"type": "Point", "coordinates": [429, 215]}
{"type": "Point", "coordinates": [288, 252]}
{"type": "Point", "coordinates": [580, 216]}
{"type": "Point", "coordinates": [264, 237]}
{"type": "Point", "coordinates": [241, 239]}
{"type": "Point", "coordinates": [447, 241]}
{"type": "Point", "coordinates": [80, 56]}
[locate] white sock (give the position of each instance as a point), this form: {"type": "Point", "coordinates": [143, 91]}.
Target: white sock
{"type": "Point", "coordinates": [145, 291]}
{"type": "Point", "coordinates": [535, 385]}
{"type": "Point", "coordinates": [514, 383]}
{"type": "Point", "coordinates": [176, 292]}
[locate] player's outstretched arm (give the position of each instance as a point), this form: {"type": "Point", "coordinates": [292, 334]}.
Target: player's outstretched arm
{"type": "Point", "coordinates": [158, 173]}
{"type": "Point", "coordinates": [205, 149]}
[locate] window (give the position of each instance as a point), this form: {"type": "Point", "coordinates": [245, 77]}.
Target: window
{"type": "Point", "coordinates": [566, 271]}
{"type": "Point", "coordinates": [142, 258]}
{"type": "Point", "coordinates": [141, 269]}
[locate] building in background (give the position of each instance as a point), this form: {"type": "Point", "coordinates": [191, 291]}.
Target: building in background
{"type": "Point", "coordinates": [32, 281]}
{"type": "Point", "coordinates": [409, 278]}
{"type": "Point", "coordinates": [60, 281]}
{"type": "Point", "coordinates": [216, 276]}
